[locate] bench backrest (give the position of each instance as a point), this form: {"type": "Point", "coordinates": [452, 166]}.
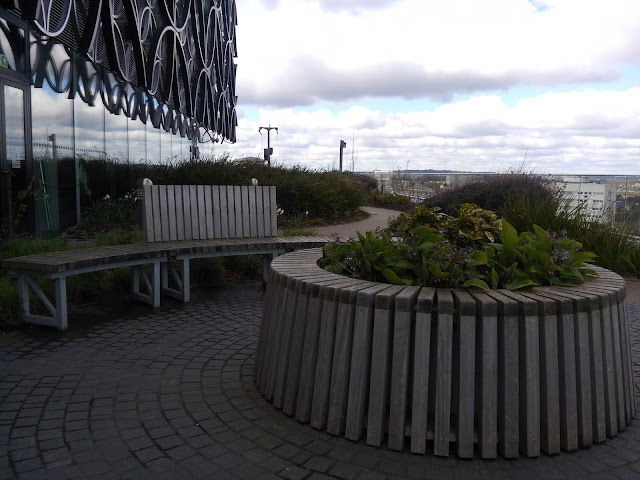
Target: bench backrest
{"type": "Point", "coordinates": [203, 212]}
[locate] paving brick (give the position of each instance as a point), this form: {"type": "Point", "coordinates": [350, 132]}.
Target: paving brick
{"type": "Point", "coordinates": [169, 394]}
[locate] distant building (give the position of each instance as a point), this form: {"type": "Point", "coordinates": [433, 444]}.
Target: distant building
{"type": "Point", "coordinates": [595, 200]}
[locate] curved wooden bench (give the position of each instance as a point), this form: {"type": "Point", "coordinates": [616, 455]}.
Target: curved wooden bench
{"type": "Point", "coordinates": [542, 370]}
{"type": "Point", "coordinates": [181, 223]}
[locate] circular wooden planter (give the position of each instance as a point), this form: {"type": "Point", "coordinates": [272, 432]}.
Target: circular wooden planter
{"type": "Point", "coordinates": [544, 370]}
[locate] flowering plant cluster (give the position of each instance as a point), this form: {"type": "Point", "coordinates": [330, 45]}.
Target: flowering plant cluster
{"type": "Point", "coordinates": [122, 209]}
{"type": "Point", "coordinates": [476, 249]}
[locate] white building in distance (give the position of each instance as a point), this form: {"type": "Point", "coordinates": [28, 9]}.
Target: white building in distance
{"type": "Point", "coordinates": [596, 200]}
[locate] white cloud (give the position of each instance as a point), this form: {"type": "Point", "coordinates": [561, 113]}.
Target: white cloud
{"type": "Point", "coordinates": [596, 132]}
{"type": "Point", "coordinates": [311, 67]}
{"type": "Point", "coordinates": [301, 52]}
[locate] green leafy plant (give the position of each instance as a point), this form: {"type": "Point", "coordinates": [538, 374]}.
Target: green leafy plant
{"type": "Point", "coordinates": [474, 249]}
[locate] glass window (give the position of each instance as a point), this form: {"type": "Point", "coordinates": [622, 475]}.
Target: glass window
{"type": "Point", "coordinates": [90, 153]}
{"type": "Point", "coordinates": [54, 165]}
{"type": "Point", "coordinates": [153, 144]}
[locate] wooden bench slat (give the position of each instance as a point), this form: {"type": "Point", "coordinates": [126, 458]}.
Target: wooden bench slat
{"type": "Point", "coordinates": [147, 206]}
{"type": "Point", "coordinates": [193, 201]}
{"type": "Point", "coordinates": [202, 214]}
{"type": "Point", "coordinates": [186, 206]}
{"type": "Point", "coordinates": [260, 209]}
{"type": "Point", "coordinates": [272, 211]}
{"type": "Point", "coordinates": [231, 214]}
{"type": "Point", "coordinates": [177, 191]}
{"type": "Point", "coordinates": [253, 212]}
{"type": "Point", "coordinates": [171, 206]}
{"type": "Point", "coordinates": [164, 211]}
{"type": "Point", "coordinates": [237, 197]}
{"type": "Point", "coordinates": [157, 222]}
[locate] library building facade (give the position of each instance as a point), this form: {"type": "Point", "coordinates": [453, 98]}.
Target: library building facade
{"type": "Point", "coordinates": [89, 88]}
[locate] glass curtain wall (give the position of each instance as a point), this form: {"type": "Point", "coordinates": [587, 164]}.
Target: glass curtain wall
{"type": "Point", "coordinates": [83, 150]}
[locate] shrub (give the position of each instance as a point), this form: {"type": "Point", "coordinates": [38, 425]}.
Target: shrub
{"type": "Point", "coordinates": [525, 200]}
{"type": "Point", "coordinates": [322, 194]}
{"type": "Point", "coordinates": [460, 252]}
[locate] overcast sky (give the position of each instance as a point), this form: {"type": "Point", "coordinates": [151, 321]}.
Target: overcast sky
{"type": "Point", "coordinates": [473, 85]}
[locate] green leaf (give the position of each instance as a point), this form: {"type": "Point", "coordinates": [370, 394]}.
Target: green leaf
{"type": "Point", "coordinates": [495, 278]}
{"type": "Point", "coordinates": [392, 277]}
{"type": "Point", "coordinates": [521, 283]}
{"type": "Point", "coordinates": [477, 283]}
{"type": "Point", "coordinates": [509, 235]}
{"type": "Point", "coordinates": [480, 257]}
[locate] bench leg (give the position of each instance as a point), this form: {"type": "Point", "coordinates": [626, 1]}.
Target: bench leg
{"type": "Point", "coordinates": [58, 313]}
{"type": "Point", "coordinates": [153, 284]}
{"type": "Point", "coordinates": [181, 280]}
{"type": "Point", "coordinates": [61, 303]}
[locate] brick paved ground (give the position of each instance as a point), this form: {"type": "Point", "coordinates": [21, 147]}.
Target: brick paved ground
{"type": "Point", "coordinates": [169, 394]}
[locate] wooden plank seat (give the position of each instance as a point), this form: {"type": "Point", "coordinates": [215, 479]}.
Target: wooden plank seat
{"type": "Point", "coordinates": [181, 223]}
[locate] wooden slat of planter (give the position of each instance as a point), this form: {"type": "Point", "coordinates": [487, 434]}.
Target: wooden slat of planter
{"type": "Point", "coordinates": [611, 413]}
{"type": "Point", "coordinates": [626, 343]}
{"type": "Point", "coordinates": [618, 362]}
{"type": "Point", "coordinates": [304, 317]}
{"type": "Point", "coordinates": [297, 343]}
{"type": "Point", "coordinates": [404, 320]}
{"type": "Point", "coordinates": [311, 344]}
{"type": "Point", "coordinates": [286, 298]}
{"type": "Point", "coordinates": [549, 374]}
{"type": "Point", "coordinates": [583, 363]}
{"type": "Point", "coordinates": [444, 357]}
{"type": "Point", "coordinates": [620, 387]}
{"type": "Point", "coordinates": [529, 340]}
{"type": "Point", "coordinates": [266, 332]}
{"type": "Point", "coordinates": [421, 365]}
{"type": "Point", "coordinates": [623, 387]}
{"type": "Point", "coordinates": [269, 327]}
{"type": "Point", "coordinates": [267, 313]}
{"type": "Point", "coordinates": [289, 321]}
{"type": "Point", "coordinates": [276, 328]}
{"type": "Point", "coordinates": [597, 363]}
{"type": "Point", "coordinates": [508, 375]}
{"type": "Point", "coordinates": [352, 363]}
{"type": "Point", "coordinates": [567, 374]}
{"type": "Point", "coordinates": [336, 311]}
{"type": "Point", "coordinates": [465, 366]}
{"type": "Point", "coordinates": [487, 378]}
{"type": "Point", "coordinates": [380, 366]}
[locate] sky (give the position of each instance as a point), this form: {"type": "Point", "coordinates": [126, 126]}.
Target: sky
{"type": "Point", "coordinates": [549, 86]}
